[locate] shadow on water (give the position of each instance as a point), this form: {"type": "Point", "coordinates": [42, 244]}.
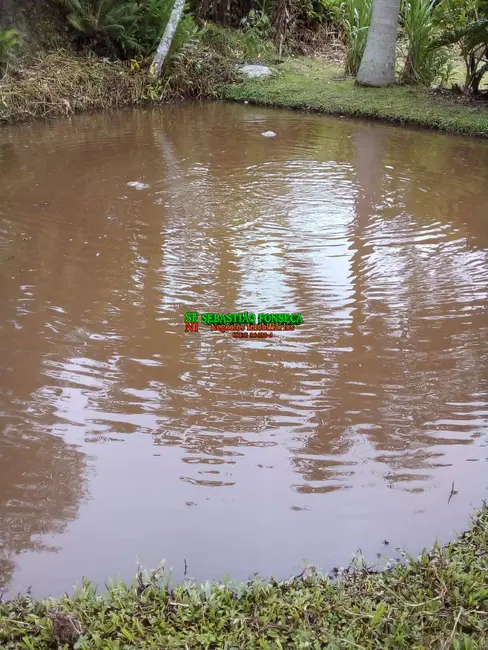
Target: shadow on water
{"type": "Point", "coordinates": [346, 431]}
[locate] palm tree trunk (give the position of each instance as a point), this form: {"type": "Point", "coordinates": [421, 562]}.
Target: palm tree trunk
{"type": "Point", "coordinates": [167, 38]}
{"type": "Point", "coordinates": [378, 63]}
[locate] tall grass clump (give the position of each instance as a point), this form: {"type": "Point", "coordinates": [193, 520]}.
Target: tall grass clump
{"type": "Point", "coordinates": [357, 18]}
{"type": "Point", "coordinates": [423, 64]}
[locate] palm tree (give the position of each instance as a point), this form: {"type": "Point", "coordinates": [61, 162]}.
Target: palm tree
{"type": "Point", "coordinates": [378, 63]}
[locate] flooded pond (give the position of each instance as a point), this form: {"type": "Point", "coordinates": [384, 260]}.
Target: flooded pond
{"type": "Point", "coordinates": [125, 438]}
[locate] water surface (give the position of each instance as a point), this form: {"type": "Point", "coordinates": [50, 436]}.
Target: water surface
{"type": "Point", "coordinates": [124, 438]}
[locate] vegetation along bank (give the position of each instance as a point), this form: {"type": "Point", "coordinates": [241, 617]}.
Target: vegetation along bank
{"type": "Point", "coordinates": [438, 601]}
{"type": "Point", "coordinates": [63, 56]}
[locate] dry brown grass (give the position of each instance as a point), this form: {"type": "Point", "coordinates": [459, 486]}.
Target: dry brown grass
{"type": "Point", "coordinates": [59, 84]}
{"type": "Point", "coordinates": [200, 73]}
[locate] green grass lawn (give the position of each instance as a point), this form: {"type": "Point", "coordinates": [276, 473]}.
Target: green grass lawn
{"type": "Point", "coordinates": [436, 602]}
{"type": "Point", "coordinates": [315, 85]}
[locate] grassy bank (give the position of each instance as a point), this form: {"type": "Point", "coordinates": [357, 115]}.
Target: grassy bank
{"type": "Point", "coordinates": [315, 85]}
{"type": "Point", "coordinates": [438, 601]}
{"type": "Point", "coordinates": [60, 83]}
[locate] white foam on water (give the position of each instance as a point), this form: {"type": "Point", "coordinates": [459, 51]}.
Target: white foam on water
{"type": "Point", "coordinates": [138, 185]}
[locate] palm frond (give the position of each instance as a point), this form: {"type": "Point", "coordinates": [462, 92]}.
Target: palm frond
{"type": "Point", "coordinates": [473, 35]}
{"type": "Point", "coordinates": [119, 26]}
{"type": "Point", "coordinates": [77, 22]}
{"type": "Point", "coordinates": [73, 6]}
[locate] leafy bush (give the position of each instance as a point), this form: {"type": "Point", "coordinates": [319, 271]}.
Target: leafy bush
{"type": "Point", "coordinates": [319, 11]}
{"type": "Point", "coordinates": [455, 13]}
{"type": "Point", "coordinates": [220, 39]}
{"type": "Point", "coordinates": [256, 27]}
{"type": "Point", "coordinates": [357, 18]}
{"type": "Point", "coordinates": [473, 41]}
{"type": "Point", "coordinates": [105, 25]}
{"type": "Point", "coordinates": [151, 21]}
{"type": "Point", "coordinates": [124, 29]}
{"type": "Point", "coordinates": [423, 64]}
{"type": "Point", "coordinates": [303, 14]}
{"type": "Point", "coordinates": [245, 43]}
{"type": "Point", "coordinates": [9, 40]}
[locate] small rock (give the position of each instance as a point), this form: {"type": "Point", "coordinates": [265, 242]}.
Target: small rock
{"type": "Point", "coordinates": [255, 71]}
{"type": "Point", "coordinates": [269, 134]}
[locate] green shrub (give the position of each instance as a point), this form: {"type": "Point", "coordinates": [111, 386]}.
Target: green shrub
{"type": "Point", "coordinates": [450, 14]}
{"type": "Point", "coordinates": [319, 11]}
{"type": "Point", "coordinates": [151, 20]}
{"type": "Point", "coordinates": [124, 29]}
{"type": "Point", "coordinates": [9, 41]}
{"type": "Point", "coordinates": [235, 43]}
{"type": "Point", "coordinates": [423, 64]}
{"type": "Point", "coordinates": [105, 25]}
{"type": "Point", "coordinates": [356, 17]}
{"type": "Point", "coordinates": [473, 41]}
{"type": "Point", "coordinates": [228, 42]}
{"type": "Point", "coordinates": [256, 28]}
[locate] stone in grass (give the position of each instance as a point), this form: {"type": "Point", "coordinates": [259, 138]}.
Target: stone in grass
{"type": "Point", "coordinates": [255, 71]}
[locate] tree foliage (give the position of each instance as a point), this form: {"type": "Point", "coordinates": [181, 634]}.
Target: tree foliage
{"type": "Point", "coordinates": [473, 42]}
{"type": "Point", "coordinates": [231, 13]}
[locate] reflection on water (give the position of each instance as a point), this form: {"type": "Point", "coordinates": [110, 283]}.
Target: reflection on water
{"type": "Point", "coordinates": [40, 488]}
{"type": "Point", "coordinates": [124, 438]}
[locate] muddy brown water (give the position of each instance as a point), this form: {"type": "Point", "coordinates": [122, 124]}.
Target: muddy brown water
{"type": "Point", "coordinates": [125, 439]}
